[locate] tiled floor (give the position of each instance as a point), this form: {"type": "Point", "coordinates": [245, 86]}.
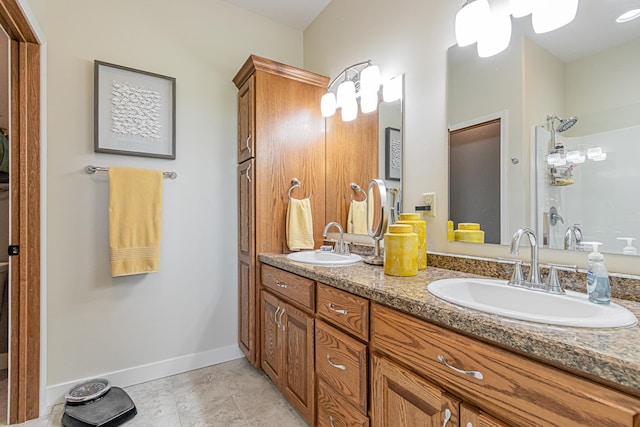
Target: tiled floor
{"type": "Point", "coordinates": [231, 394]}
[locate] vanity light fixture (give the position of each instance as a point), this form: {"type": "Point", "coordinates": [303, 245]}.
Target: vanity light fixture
{"type": "Point", "coordinates": [471, 20]}
{"type": "Point", "coordinates": [521, 8]}
{"type": "Point", "coordinates": [496, 36]}
{"type": "Point", "coordinates": [549, 15]}
{"type": "Point", "coordinates": [488, 22]}
{"type": "Point", "coordinates": [629, 15]}
{"type": "Point", "coordinates": [361, 80]}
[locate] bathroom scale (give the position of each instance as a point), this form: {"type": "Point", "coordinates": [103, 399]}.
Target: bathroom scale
{"type": "Point", "coordinates": [95, 403]}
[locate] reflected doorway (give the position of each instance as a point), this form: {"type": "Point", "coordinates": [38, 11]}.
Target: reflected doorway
{"type": "Point", "coordinates": [474, 177]}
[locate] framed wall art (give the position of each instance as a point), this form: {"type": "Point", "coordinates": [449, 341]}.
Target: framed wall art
{"type": "Point", "coordinates": [134, 112]}
{"type": "Point", "coordinates": [393, 154]}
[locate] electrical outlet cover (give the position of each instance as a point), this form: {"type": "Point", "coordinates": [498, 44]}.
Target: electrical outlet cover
{"type": "Point", "coordinates": [429, 199]}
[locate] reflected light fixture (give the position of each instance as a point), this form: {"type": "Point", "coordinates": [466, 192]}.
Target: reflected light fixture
{"type": "Point", "coordinates": [575, 156]}
{"type": "Point", "coordinates": [361, 80]}
{"type": "Point", "coordinates": [392, 89]}
{"type": "Point", "coordinates": [629, 15]}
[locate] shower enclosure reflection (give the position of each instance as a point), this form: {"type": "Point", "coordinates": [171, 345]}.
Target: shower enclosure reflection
{"type": "Point", "coordinates": [586, 190]}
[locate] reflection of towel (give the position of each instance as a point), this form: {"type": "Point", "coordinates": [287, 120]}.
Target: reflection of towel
{"type": "Point", "coordinates": [357, 220]}
{"type": "Point", "coordinates": [135, 217]}
{"type": "Point", "coordinates": [299, 225]}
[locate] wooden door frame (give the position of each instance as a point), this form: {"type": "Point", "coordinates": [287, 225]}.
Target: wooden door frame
{"type": "Point", "coordinates": [25, 128]}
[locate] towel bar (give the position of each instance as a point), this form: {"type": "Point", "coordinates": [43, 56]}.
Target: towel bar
{"type": "Point", "coordinates": [355, 187]}
{"type": "Point", "coordinates": [295, 183]}
{"type": "Point", "coordinates": [90, 169]}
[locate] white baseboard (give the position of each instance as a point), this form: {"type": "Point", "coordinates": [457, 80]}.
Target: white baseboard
{"type": "Point", "coordinates": [152, 371]}
{"type": "Point", "coordinates": [4, 361]}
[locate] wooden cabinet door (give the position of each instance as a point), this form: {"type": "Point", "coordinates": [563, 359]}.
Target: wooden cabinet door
{"type": "Point", "coordinates": [270, 345]}
{"type": "Point", "coordinates": [401, 398]}
{"type": "Point", "coordinates": [246, 263]}
{"type": "Point", "coordinates": [473, 417]}
{"type": "Point", "coordinates": [246, 119]}
{"type": "Point", "coordinates": [298, 376]}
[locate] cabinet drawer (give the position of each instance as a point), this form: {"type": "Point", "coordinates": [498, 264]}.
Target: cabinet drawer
{"type": "Point", "coordinates": [496, 380]}
{"type": "Point", "coordinates": [347, 311]}
{"type": "Point", "coordinates": [341, 362]}
{"type": "Point", "coordinates": [294, 288]}
{"type": "Point", "coordinates": [333, 411]}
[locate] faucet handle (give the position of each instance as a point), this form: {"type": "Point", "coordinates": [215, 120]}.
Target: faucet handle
{"type": "Point", "coordinates": [516, 276]}
{"type": "Point", "coordinates": [553, 283]}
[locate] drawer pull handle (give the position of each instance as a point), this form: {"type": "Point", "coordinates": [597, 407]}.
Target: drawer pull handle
{"type": "Point", "coordinates": [281, 285]}
{"type": "Point", "coordinates": [331, 420]}
{"type": "Point", "coordinates": [336, 310]}
{"type": "Point", "coordinates": [275, 316]}
{"type": "Point", "coordinates": [246, 143]}
{"type": "Point", "coordinates": [447, 417]}
{"type": "Point", "coordinates": [280, 319]}
{"type": "Point", "coordinates": [341, 367]}
{"type": "Point", "coordinates": [469, 424]}
{"type": "Point", "coordinates": [475, 374]}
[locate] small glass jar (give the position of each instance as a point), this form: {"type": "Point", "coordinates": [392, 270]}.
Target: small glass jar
{"type": "Point", "coordinates": [419, 227]}
{"type": "Point", "coordinates": [400, 251]}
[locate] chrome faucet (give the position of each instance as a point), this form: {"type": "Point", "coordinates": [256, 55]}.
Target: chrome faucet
{"type": "Point", "coordinates": [533, 279]}
{"type": "Point", "coordinates": [573, 238]}
{"type": "Point", "coordinates": [341, 247]}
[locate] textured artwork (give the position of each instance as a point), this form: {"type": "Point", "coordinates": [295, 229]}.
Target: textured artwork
{"type": "Point", "coordinates": [393, 154]}
{"type": "Point", "coordinates": [134, 112]}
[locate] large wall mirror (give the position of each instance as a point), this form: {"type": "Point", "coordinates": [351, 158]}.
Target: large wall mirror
{"type": "Point", "coordinates": [369, 147]}
{"type": "Point", "coordinates": [554, 177]}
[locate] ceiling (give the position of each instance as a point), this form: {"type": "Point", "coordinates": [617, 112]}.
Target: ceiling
{"type": "Point", "coordinates": [293, 13]}
{"type": "Point", "coordinates": [593, 29]}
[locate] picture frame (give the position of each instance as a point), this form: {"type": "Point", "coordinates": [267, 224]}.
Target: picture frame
{"type": "Point", "coordinates": [393, 154]}
{"type": "Point", "coordinates": [134, 112]}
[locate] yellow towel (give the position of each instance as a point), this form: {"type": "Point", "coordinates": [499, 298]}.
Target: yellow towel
{"type": "Point", "coordinates": [357, 219]}
{"type": "Point", "coordinates": [299, 225]}
{"type": "Point", "coordinates": [135, 219]}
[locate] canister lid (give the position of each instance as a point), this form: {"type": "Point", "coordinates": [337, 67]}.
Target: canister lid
{"type": "Point", "coordinates": [410, 216]}
{"type": "Point", "coordinates": [468, 226]}
{"type": "Point", "coordinates": [400, 228]}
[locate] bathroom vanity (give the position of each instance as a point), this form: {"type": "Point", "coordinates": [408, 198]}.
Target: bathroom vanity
{"type": "Point", "coordinates": [368, 349]}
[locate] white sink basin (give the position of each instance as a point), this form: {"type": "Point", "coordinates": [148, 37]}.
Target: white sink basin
{"type": "Point", "coordinates": [324, 258]}
{"type": "Point", "coordinates": [497, 297]}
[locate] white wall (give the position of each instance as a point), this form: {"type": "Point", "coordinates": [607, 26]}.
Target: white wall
{"type": "Point", "coordinates": [412, 37]}
{"type": "Point", "coordinates": [602, 89]}
{"type": "Point", "coordinates": [185, 315]}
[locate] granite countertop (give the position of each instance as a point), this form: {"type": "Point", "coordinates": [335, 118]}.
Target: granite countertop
{"type": "Point", "coordinates": [611, 354]}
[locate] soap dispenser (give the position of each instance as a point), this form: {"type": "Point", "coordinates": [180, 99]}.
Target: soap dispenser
{"type": "Point", "coordinates": [598, 287]}
{"type": "Point", "coordinates": [629, 249]}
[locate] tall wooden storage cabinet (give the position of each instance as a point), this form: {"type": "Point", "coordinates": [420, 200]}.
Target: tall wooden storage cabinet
{"type": "Point", "coordinates": [281, 136]}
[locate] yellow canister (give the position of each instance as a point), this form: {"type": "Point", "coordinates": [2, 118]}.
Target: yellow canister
{"type": "Point", "coordinates": [450, 230]}
{"type": "Point", "coordinates": [419, 226]}
{"type": "Point", "coordinates": [400, 251]}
